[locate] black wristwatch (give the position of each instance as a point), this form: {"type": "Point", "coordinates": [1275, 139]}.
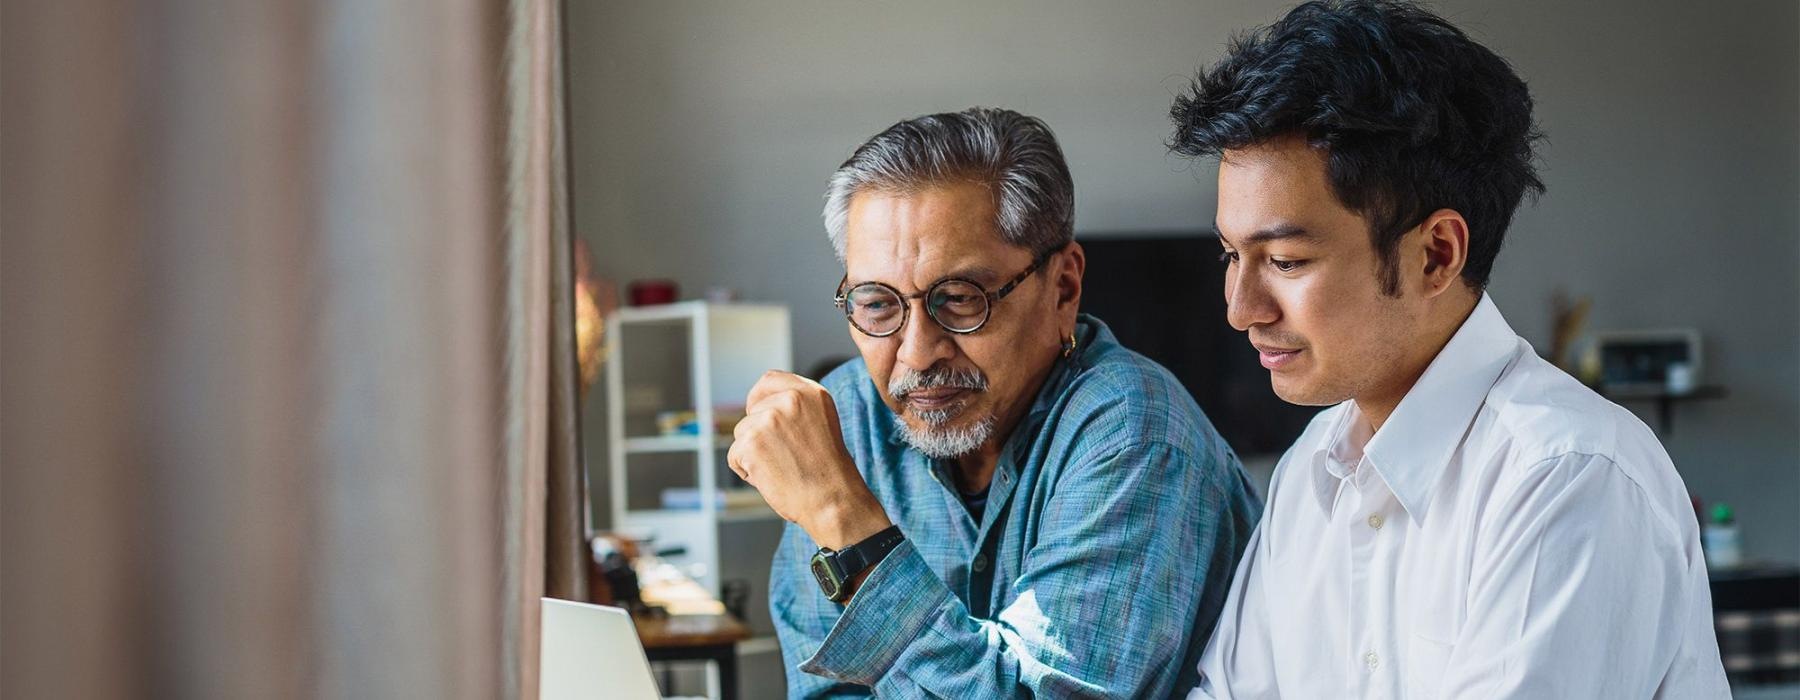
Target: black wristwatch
{"type": "Point", "coordinates": [835, 570]}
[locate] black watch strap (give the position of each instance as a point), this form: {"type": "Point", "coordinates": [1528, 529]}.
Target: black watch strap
{"type": "Point", "coordinates": [856, 558]}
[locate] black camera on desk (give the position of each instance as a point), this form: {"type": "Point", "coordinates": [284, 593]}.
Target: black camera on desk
{"type": "Point", "coordinates": [614, 578]}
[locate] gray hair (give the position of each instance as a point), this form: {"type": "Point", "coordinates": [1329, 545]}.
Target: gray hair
{"type": "Point", "coordinates": [1013, 155]}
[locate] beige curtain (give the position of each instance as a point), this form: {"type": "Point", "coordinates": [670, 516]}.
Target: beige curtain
{"type": "Point", "coordinates": [545, 554]}
{"type": "Point", "coordinates": [281, 335]}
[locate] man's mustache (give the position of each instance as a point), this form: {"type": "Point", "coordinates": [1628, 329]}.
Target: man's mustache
{"type": "Point", "coordinates": [937, 377]}
{"type": "Point", "coordinates": [1276, 339]}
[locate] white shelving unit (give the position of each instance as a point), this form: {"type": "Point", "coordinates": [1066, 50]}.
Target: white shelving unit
{"type": "Point", "coordinates": [694, 356]}
{"type": "Point", "coordinates": [727, 348]}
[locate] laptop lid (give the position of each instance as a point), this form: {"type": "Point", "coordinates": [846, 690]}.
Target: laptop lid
{"type": "Point", "coordinates": [591, 651]}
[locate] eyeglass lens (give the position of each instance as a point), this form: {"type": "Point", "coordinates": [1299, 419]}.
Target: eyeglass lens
{"type": "Point", "coordinates": [956, 305]}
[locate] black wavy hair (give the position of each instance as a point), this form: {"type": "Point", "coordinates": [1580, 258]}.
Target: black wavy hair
{"type": "Point", "coordinates": [1413, 115]}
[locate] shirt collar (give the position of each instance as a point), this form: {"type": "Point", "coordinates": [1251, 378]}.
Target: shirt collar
{"type": "Point", "coordinates": [1414, 445]}
{"type": "Point", "coordinates": [1335, 455]}
{"type": "Point", "coordinates": [1091, 335]}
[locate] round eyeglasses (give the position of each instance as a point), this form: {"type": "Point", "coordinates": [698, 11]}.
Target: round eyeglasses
{"type": "Point", "coordinates": [958, 305]}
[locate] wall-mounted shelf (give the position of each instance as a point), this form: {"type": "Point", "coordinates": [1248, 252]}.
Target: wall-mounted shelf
{"type": "Point", "coordinates": [1665, 402]}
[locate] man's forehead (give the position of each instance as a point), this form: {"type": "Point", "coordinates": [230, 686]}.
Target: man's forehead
{"type": "Point", "coordinates": [922, 236]}
{"type": "Point", "coordinates": [1277, 192]}
{"type": "Point", "coordinates": [928, 263]}
{"type": "Point", "coordinates": [1287, 165]}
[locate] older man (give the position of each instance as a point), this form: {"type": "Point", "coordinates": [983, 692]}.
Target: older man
{"type": "Point", "coordinates": [996, 500]}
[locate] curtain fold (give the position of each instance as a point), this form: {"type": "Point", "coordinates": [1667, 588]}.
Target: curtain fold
{"type": "Point", "coordinates": [566, 549]}
{"type": "Point", "coordinates": [545, 528]}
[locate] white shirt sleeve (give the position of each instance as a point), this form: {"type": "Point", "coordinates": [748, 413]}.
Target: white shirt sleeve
{"type": "Point", "coordinates": [1578, 590]}
{"type": "Point", "coordinates": [1239, 659]}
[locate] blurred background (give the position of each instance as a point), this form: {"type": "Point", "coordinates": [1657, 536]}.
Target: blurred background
{"type": "Point", "coordinates": [333, 334]}
{"type": "Point", "coordinates": [702, 134]}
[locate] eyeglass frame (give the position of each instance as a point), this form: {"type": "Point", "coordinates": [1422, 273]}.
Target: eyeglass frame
{"type": "Point", "coordinates": [841, 299]}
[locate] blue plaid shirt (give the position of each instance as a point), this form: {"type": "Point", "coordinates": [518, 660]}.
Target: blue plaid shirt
{"type": "Point", "coordinates": [1113, 522]}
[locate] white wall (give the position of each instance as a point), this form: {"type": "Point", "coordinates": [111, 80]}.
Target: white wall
{"type": "Point", "coordinates": [703, 133]}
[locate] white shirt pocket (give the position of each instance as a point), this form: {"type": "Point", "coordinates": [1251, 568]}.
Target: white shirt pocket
{"type": "Point", "coordinates": [1425, 661]}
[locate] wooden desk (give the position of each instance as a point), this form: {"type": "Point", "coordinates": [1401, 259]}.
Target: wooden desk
{"type": "Point", "coordinates": [682, 631]}
{"type": "Point", "coordinates": [697, 627]}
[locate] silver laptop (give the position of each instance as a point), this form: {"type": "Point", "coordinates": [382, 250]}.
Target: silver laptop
{"type": "Point", "coordinates": [591, 651]}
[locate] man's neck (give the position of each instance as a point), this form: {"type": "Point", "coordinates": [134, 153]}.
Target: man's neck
{"type": "Point", "coordinates": [975, 471]}
{"type": "Point", "coordinates": [1377, 405]}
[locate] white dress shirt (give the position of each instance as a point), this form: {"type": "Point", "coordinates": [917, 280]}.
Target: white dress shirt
{"type": "Point", "coordinates": [1507, 533]}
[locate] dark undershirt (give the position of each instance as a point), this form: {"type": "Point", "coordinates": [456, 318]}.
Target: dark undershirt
{"type": "Point", "coordinates": [976, 502]}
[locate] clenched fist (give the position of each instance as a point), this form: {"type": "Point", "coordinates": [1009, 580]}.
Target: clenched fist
{"type": "Point", "coordinates": [790, 447]}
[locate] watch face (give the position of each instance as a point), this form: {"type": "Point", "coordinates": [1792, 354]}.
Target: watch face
{"type": "Point", "coordinates": [822, 571]}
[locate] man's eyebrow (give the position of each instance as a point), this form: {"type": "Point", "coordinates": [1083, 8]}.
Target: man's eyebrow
{"type": "Point", "coordinates": [1270, 234]}
{"type": "Point", "coordinates": [977, 272]}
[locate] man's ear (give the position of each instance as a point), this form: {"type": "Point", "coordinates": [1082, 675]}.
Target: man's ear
{"type": "Point", "coordinates": [1444, 237]}
{"type": "Point", "coordinates": [1065, 276]}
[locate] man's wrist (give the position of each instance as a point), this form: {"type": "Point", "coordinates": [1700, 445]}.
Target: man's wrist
{"type": "Point", "coordinates": [855, 583]}
{"type": "Point", "coordinates": [842, 571]}
{"type": "Point", "coordinates": [841, 525]}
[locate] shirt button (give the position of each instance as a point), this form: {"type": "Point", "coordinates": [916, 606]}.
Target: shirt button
{"type": "Point", "coordinates": [980, 563]}
{"type": "Point", "coordinates": [1375, 521]}
{"type": "Point", "coordinates": [1371, 660]}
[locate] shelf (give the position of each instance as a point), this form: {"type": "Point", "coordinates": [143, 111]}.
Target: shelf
{"type": "Point", "coordinates": [688, 310]}
{"type": "Point", "coordinates": [1698, 393]}
{"type": "Point", "coordinates": [1665, 401]}
{"type": "Point", "coordinates": [676, 443]}
{"type": "Point", "coordinates": [754, 513]}
{"type": "Point", "coordinates": [750, 513]}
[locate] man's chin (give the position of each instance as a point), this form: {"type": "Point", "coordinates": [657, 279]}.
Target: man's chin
{"type": "Point", "coordinates": [1301, 393]}
{"type": "Point", "coordinates": [954, 437]}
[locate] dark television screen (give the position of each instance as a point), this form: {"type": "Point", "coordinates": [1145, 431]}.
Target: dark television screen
{"type": "Point", "coordinates": [1163, 296]}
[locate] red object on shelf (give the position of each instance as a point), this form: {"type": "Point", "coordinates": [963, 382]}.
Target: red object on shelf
{"type": "Point", "coordinates": [651, 292]}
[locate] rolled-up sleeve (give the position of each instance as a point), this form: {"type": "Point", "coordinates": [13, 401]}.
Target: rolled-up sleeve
{"type": "Point", "coordinates": [893, 607]}
{"type": "Point", "coordinates": [802, 618]}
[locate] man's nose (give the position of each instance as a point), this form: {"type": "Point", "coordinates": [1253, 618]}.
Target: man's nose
{"type": "Point", "coordinates": [1247, 301]}
{"type": "Point", "coordinates": [923, 342]}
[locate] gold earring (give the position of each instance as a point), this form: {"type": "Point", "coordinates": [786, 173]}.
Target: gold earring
{"type": "Point", "coordinates": [1068, 346]}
